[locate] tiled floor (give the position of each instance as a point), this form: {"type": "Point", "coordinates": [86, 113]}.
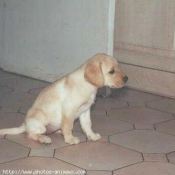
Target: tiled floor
{"type": "Point", "coordinates": [137, 128]}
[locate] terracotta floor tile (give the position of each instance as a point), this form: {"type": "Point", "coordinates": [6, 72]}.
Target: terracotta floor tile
{"type": "Point", "coordinates": [109, 103]}
{"type": "Point", "coordinates": [147, 168]}
{"type": "Point", "coordinates": [99, 173]}
{"type": "Point", "coordinates": [41, 152]}
{"type": "Point", "coordinates": [11, 119]}
{"type": "Point", "coordinates": [145, 141]}
{"type": "Point", "coordinates": [24, 110]}
{"type": "Point", "coordinates": [2, 136]}
{"type": "Point", "coordinates": [8, 109]}
{"type": "Point", "coordinates": [17, 100]}
{"type": "Point", "coordinates": [131, 95]}
{"type": "Point", "coordinates": [8, 75]}
{"type": "Point", "coordinates": [4, 93]}
{"type": "Point", "coordinates": [139, 115]}
{"type": "Point", "coordinates": [23, 84]}
{"type": "Point", "coordinates": [131, 104]}
{"type": "Point", "coordinates": [106, 126]}
{"type": "Point", "coordinates": [155, 157]}
{"type": "Point", "coordinates": [95, 111]}
{"type": "Point", "coordinates": [5, 90]}
{"type": "Point", "coordinates": [128, 109]}
{"type": "Point", "coordinates": [35, 91]}
{"type": "Point", "coordinates": [98, 156]}
{"type": "Point", "coordinates": [10, 151]}
{"type": "Point", "coordinates": [5, 76]}
{"type": "Point", "coordinates": [167, 105]}
{"type": "Point", "coordinates": [37, 165]}
{"type": "Point", "coordinates": [57, 141]}
{"type": "Point", "coordinates": [168, 127]}
{"type": "Point", "coordinates": [171, 157]}
{"type": "Point", "coordinates": [101, 91]}
{"type": "Point", "coordinates": [144, 127]}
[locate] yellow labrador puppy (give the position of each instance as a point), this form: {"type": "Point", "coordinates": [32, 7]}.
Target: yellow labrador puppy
{"type": "Point", "coordinates": [68, 98]}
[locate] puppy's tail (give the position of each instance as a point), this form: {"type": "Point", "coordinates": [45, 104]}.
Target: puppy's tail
{"type": "Point", "coordinates": [14, 131]}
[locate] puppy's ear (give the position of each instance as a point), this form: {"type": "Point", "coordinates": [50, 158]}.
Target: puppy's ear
{"type": "Point", "coordinates": [93, 74]}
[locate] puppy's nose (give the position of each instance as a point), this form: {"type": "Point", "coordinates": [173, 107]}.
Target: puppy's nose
{"type": "Point", "coordinates": [125, 79]}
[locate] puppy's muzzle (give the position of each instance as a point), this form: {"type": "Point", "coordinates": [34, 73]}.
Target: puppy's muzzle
{"type": "Point", "coordinates": [125, 79]}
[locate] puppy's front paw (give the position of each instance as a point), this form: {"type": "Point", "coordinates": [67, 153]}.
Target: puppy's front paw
{"type": "Point", "coordinates": [94, 137]}
{"type": "Point", "coordinates": [44, 140]}
{"type": "Point", "coordinates": [72, 140]}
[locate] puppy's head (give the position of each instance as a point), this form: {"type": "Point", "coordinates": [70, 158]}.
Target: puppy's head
{"type": "Point", "coordinates": [102, 70]}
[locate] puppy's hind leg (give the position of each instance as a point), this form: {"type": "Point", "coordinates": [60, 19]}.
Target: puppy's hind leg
{"type": "Point", "coordinates": [35, 131]}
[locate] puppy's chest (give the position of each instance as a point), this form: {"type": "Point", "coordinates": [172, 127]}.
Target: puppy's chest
{"type": "Point", "coordinates": [85, 106]}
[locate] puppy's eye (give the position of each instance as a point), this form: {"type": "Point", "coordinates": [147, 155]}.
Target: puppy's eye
{"type": "Point", "coordinates": [112, 71]}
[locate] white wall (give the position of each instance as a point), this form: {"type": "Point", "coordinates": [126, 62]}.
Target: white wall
{"type": "Point", "coordinates": [46, 39]}
{"type": "Point", "coordinates": [1, 32]}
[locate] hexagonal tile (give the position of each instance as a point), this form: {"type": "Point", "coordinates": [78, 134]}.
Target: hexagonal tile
{"type": "Point", "coordinates": [144, 127]}
{"type": "Point", "coordinates": [2, 136]}
{"type": "Point", "coordinates": [155, 157]}
{"type": "Point", "coordinates": [11, 151]}
{"type": "Point", "coordinates": [9, 120]}
{"type": "Point", "coordinates": [57, 141]}
{"type": "Point", "coordinates": [96, 111]}
{"type": "Point", "coordinates": [171, 157]}
{"type": "Point", "coordinates": [145, 141]}
{"type": "Point", "coordinates": [17, 100]}
{"type": "Point", "coordinates": [8, 75]}
{"type": "Point", "coordinates": [23, 84]}
{"type": "Point", "coordinates": [98, 156]}
{"type": "Point", "coordinates": [5, 90]}
{"type": "Point", "coordinates": [2, 109]}
{"type": "Point", "coordinates": [131, 95]}
{"type": "Point", "coordinates": [168, 127]}
{"type": "Point", "coordinates": [101, 91]}
{"type": "Point", "coordinates": [167, 105]}
{"type": "Point", "coordinates": [24, 110]}
{"type": "Point", "coordinates": [108, 103]}
{"type": "Point", "coordinates": [106, 126]}
{"type": "Point", "coordinates": [41, 152]}
{"type": "Point", "coordinates": [99, 173]}
{"type": "Point", "coordinates": [147, 168]}
{"type": "Point", "coordinates": [35, 91]}
{"type": "Point", "coordinates": [40, 165]}
{"type": "Point", "coordinates": [137, 104]}
{"type": "Point", "coordinates": [139, 115]}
